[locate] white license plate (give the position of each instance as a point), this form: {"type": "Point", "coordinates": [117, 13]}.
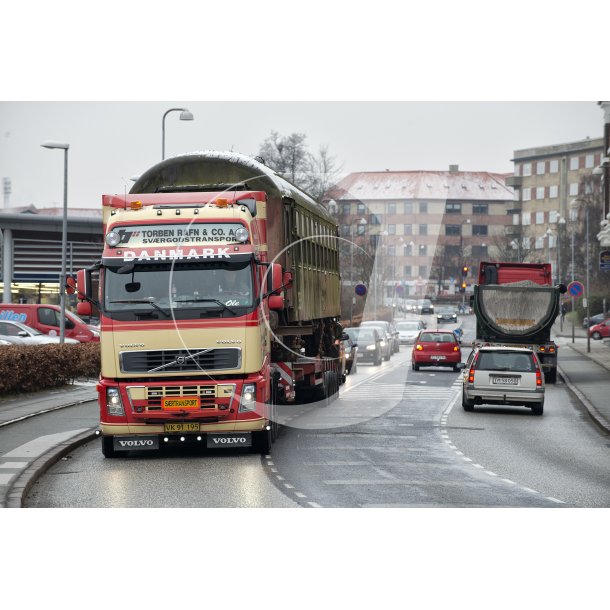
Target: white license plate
{"type": "Point", "coordinates": [438, 357]}
{"type": "Point", "coordinates": [505, 380]}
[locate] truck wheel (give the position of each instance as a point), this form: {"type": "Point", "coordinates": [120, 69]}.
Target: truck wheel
{"type": "Point", "coordinates": [467, 404]}
{"type": "Point", "coordinates": [538, 409]}
{"type": "Point", "coordinates": [108, 447]}
{"type": "Point", "coordinates": [551, 376]}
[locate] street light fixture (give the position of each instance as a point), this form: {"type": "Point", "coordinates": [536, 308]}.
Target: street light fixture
{"type": "Point", "coordinates": [185, 115]}
{"type": "Point", "coordinates": [64, 239]}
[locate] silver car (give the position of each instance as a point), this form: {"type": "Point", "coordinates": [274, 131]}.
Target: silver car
{"type": "Point", "coordinates": [27, 334]}
{"type": "Point", "coordinates": [408, 330]}
{"type": "Point", "coordinates": [503, 376]}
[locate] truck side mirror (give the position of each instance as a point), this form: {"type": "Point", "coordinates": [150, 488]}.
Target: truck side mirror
{"type": "Point", "coordinates": [84, 308]}
{"type": "Point", "coordinates": [83, 284]}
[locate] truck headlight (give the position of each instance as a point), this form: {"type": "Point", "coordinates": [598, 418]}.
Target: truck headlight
{"type": "Point", "coordinates": [248, 398]}
{"type": "Point", "coordinates": [114, 404]}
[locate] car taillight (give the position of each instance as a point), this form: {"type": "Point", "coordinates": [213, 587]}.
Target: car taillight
{"type": "Point", "coordinates": [538, 375]}
{"type": "Point", "coordinates": [471, 372]}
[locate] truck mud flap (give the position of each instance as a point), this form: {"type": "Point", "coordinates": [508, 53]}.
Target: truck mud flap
{"type": "Point", "coordinates": [226, 441]}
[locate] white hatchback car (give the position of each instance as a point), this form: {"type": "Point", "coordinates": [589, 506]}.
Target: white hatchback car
{"type": "Point", "coordinates": [503, 376]}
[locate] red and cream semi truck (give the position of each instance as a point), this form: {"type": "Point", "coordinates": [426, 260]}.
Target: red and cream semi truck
{"type": "Point", "coordinates": [218, 298]}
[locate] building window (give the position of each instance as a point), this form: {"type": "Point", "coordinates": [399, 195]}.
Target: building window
{"type": "Point", "coordinates": [408, 250]}
{"type": "Point", "coordinates": [361, 209]}
{"type": "Point", "coordinates": [553, 191]}
{"type": "Point", "coordinates": [423, 229]}
{"type": "Point", "coordinates": [540, 168]}
{"type": "Point", "coordinates": [423, 271]}
{"type": "Point", "coordinates": [391, 250]}
{"type": "Point", "coordinates": [452, 251]}
{"type": "Point", "coordinates": [517, 194]}
{"type": "Point", "coordinates": [527, 194]}
{"type": "Point", "coordinates": [589, 160]}
{"type": "Point", "coordinates": [391, 229]}
{"type": "Point", "coordinates": [346, 209]}
{"type": "Point", "coordinates": [539, 243]}
{"type": "Point", "coordinates": [453, 229]}
{"type": "Point", "coordinates": [540, 192]}
{"type": "Point", "coordinates": [574, 162]}
{"type": "Point", "coordinates": [453, 208]}
{"type": "Point", "coordinates": [527, 169]}
{"type": "Point", "coordinates": [360, 229]}
{"type": "Point", "coordinates": [423, 250]}
{"type": "Point", "coordinates": [423, 207]}
{"type": "Point", "coordinates": [376, 219]}
{"type": "Point", "coordinates": [408, 207]}
{"type": "Point", "coordinates": [573, 189]}
{"type": "Point", "coordinates": [480, 208]}
{"type": "Point", "coordinates": [515, 219]}
{"type": "Point", "coordinates": [526, 218]}
{"type": "Point", "coordinates": [407, 270]}
{"type": "Point", "coordinates": [408, 229]}
{"type": "Point", "coordinates": [554, 166]}
{"type": "Point", "coordinates": [345, 230]}
{"type": "Point", "coordinates": [479, 229]}
{"type": "Point", "coordinates": [479, 251]}
{"type": "Point", "coordinates": [391, 208]}
{"type": "Point", "coordinates": [539, 218]}
{"type": "Point", "coordinates": [553, 216]}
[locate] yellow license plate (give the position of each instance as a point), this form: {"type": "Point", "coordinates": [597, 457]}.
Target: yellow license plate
{"type": "Point", "coordinates": [181, 403]}
{"type": "Point", "coordinates": [182, 427]}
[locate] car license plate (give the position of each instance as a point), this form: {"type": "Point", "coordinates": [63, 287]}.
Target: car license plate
{"type": "Point", "coordinates": [505, 380]}
{"type": "Point", "coordinates": [181, 427]}
{"type": "Point", "coordinates": [181, 402]}
{"type": "Point", "coordinates": [437, 357]}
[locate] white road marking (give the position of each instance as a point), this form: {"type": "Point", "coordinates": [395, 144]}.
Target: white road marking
{"type": "Point", "coordinates": [555, 500]}
{"type": "Point", "coordinates": [299, 494]}
{"type": "Point", "coordinates": [314, 504]}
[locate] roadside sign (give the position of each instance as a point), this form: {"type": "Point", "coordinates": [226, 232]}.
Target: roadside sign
{"type": "Point", "coordinates": [360, 290]}
{"type": "Point", "coordinates": [604, 259]}
{"type": "Point", "coordinates": [576, 289]}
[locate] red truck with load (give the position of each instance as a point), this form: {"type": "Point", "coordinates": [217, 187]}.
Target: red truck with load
{"type": "Point", "coordinates": [218, 299]}
{"type": "Point", "coordinates": [515, 304]}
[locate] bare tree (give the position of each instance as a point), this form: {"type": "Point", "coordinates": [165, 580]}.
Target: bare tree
{"type": "Point", "coordinates": [289, 157]}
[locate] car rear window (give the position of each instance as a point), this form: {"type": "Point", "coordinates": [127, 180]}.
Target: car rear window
{"type": "Point", "coordinates": [506, 361]}
{"type": "Point", "coordinates": [438, 337]}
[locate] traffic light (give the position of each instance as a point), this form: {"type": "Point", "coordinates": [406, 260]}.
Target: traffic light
{"type": "Point", "coordinates": [464, 272]}
{"type": "Point", "coordinates": [464, 276]}
{"type": "Point", "coordinates": [463, 287]}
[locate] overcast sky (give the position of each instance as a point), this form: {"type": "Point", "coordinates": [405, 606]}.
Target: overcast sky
{"type": "Point", "coordinates": [110, 142]}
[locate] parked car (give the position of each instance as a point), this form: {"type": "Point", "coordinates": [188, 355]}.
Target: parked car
{"type": "Point", "coordinates": [503, 376]}
{"type": "Point", "coordinates": [600, 331]}
{"type": "Point", "coordinates": [436, 348]}
{"type": "Point", "coordinates": [446, 314]}
{"type": "Point", "coordinates": [424, 306]}
{"type": "Point", "coordinates": [47, 318]}
{"type": "Point", "coordinates": [408, 330]}
{"type": "Point", "coordinates": [593, 320]}
{"type": "Point", "coordinates": [29, 336]}
{"type": "Point", "coordinates": [385, 330]}
{"type": "Point", "coordinates": [350, 349]}
{"type": "Point", "coordinates": [369, 342]}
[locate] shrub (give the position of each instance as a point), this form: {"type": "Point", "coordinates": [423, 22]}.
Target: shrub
{"type": "Point", "coordinates": [29, 368]}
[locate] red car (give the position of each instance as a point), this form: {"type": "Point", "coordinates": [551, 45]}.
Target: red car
{"type": "Point", "coordinates": [436, 348]}
{"type": "Point", "coordinates": [600, 331]}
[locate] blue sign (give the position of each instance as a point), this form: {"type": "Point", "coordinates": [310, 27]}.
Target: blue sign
{"type": "Point", "coordinates": [604, 259]}
{"type": "Point", "coordinates": [576, 289]}
{"type": "Point", "coordinates": [360, 290]}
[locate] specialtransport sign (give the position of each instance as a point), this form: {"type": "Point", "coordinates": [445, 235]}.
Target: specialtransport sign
{"type": "Point", "coordinates": [576, 289]}
{"type": "Point", "coordinates": [604, 259]}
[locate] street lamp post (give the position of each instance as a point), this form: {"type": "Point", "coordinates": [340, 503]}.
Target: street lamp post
{"type": "Point", "coordinates": [576, 206]}
{"type": "Point", "coordinates": [64, 240]}
{"type": "Point", "coordinates": [465, 222]}
{"type": "Point", "coordinates": [185, 115]}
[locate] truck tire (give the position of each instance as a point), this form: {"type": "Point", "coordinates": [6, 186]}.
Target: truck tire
{"type": "Point", "coordinates": [468, 405]}
{"type": "Point", "coordinates": [108, 447]}
{"type": "Point", "coordinates": [550, 376]}
{"type": "Point", "coordinates": [262, 442]}
{"type": "Point", "coordinates": [538, 409]}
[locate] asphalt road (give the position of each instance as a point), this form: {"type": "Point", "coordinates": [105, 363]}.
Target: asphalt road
{"type": "Point", "coordinates": [394, 438]}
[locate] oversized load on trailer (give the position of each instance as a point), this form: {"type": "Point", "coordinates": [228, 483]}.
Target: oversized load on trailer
{"type": "Point", "coordinates": [219, 300]}
{"type": "Point", "coordinates": [516, 304]}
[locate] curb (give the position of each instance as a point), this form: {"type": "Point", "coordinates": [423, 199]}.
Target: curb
{"type": "Point", "coordinates": [593, 412]}
{"type": "Point", "coordinates": [23, 483]}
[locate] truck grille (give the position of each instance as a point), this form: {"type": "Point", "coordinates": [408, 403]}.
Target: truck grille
{"type": "Point", "coordinates": [180, 360]}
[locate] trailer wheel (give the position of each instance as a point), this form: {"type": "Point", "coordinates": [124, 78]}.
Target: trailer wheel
{"type": "Point", "coordinates": [551, 376]}
{"type": "Point", "coordinates": [334, 385]}
{"type": "Point", "coordinates": [108, 447]}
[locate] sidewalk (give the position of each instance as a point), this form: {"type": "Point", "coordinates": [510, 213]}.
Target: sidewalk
{"type": "Point", "coordinates": [585, 371]}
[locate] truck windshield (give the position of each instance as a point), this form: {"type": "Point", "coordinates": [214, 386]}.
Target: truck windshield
{"type": "Point", "coordinates": [179, 288]}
